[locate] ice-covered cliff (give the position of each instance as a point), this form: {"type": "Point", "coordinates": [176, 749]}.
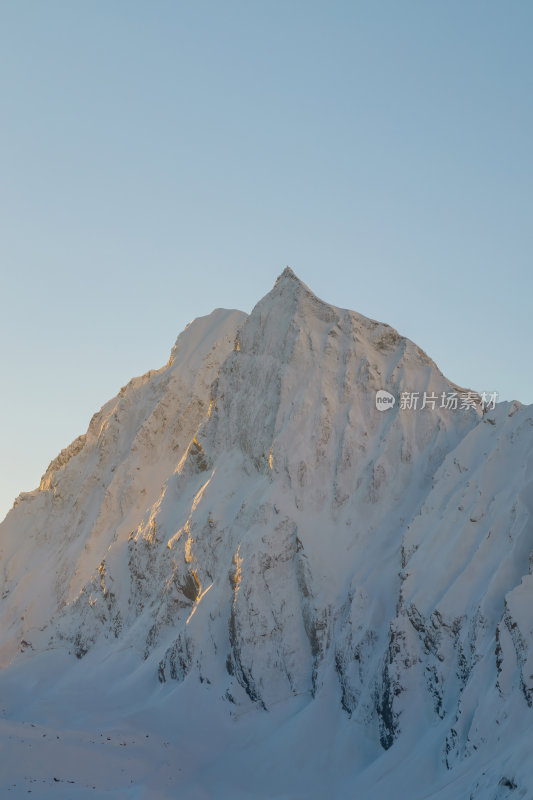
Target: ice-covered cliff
{"type": "Point", "coordinates": [335, 590]}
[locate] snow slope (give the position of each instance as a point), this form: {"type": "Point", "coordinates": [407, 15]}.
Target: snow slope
{"type": "Point", "coordinates": [271, 587]}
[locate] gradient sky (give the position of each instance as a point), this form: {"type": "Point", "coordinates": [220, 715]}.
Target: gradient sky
{"type": "Point", "coordinates": [161, 159]}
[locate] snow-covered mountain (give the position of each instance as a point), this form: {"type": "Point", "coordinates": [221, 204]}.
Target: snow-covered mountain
{"type": "Point", "coordinates": [293, 593]}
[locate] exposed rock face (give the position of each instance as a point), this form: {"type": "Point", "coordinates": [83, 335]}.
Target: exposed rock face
{"type": "Point", "coordinates": [246, 515]}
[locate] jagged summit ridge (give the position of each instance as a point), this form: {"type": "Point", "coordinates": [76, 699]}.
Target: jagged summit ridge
{"type": "Point", "coordinates": [288, 280]}
{"type": "Point", "coordinates": [288, 274]}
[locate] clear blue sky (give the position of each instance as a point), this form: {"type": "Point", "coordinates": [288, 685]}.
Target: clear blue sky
{"type": "Point", "coordinates": [161, 159]}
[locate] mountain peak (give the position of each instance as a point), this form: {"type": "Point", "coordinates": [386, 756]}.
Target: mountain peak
{"type": "Point", "coordinates": [288, 273]}
{"type": "Point", "coordinates": [247, 525]}
{"type": "Point", "coordinates": [288, 276]}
